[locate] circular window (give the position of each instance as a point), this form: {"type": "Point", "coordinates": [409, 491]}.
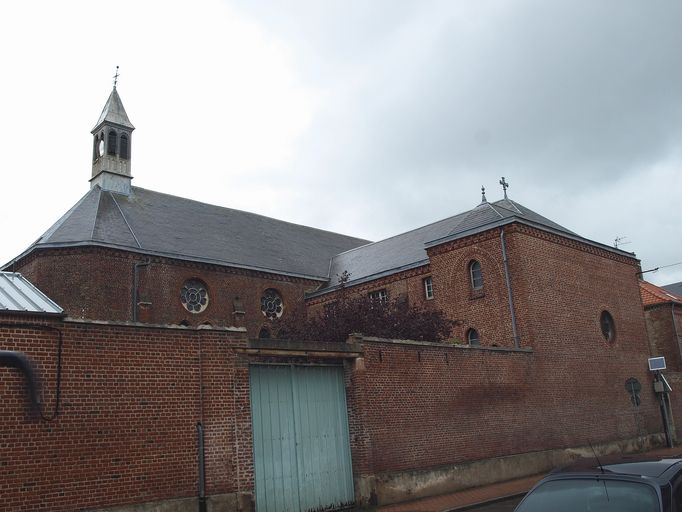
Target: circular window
{"type": "Point", "coordinates": [271, 304]}
{"type": "Point", "coordinates": [194, 296]}
{"type": "Point", "coordinates": [608, 327]}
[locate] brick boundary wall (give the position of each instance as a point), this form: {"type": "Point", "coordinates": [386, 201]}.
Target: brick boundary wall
{"type": "Point", "coordinates": [419, 410]}
{"type": "Point", "coordinates": [129, 404]}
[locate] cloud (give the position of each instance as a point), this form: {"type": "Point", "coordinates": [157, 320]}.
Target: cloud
{"type": "Point", "coordinates": [576, 100]}
{"type": "Point", "coordinates": [368, 118]}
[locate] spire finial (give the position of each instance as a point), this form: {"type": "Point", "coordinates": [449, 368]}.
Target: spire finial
{"type": "Point", "coordinates": [483, 199]}
{"type": "Point", "coordinates": [505, 186]}
{"type": "Point", "coordinates": [116, 77]}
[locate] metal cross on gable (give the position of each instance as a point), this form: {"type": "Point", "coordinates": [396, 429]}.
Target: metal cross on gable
{"type": "Point", "coordinates": [116, 77]}
{"type": "Point", "coordinates": [505, 186]}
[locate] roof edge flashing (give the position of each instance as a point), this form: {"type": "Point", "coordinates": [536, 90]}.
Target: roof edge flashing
{"type": "Point", "coordinates": [541, 227]}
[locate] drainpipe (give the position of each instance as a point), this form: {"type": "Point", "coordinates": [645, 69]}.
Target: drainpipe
{"type": "Point", "coordinates": [202, 468]}
{"type": "Point", "coordinates": [507, 278]}
{"type": "Point", "coordinates": [136, 284]}
{"type": "Point", "coordinates": [677, 335]}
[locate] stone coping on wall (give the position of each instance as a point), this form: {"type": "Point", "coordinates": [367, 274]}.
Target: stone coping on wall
{"type": "Point", "coordinates": [359, 338]}
{"type": "Point", "coordinates": [83, 321]}
{"type": "Point", "coordinates": [326, 349]}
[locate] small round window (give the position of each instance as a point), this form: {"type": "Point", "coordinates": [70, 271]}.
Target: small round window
{"type": "Point", "coordinates": [271, 304]}
{"type": "Point", "coordinates": [194, 296]}
{"type": "Point", "coordinates": [608, 327]}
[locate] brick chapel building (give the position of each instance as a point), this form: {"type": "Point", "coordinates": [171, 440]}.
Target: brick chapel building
{"type": "Point", "coordinates": [124, 253]}
{"type": "Point", "coordinates": [170, 307]}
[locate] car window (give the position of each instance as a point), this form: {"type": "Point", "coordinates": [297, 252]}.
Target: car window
{"type": "Point", "coordinates": [590, 495]}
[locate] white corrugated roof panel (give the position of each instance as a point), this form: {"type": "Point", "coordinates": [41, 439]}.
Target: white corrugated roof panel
{"type": "Point", "coordinates": [18, 294]}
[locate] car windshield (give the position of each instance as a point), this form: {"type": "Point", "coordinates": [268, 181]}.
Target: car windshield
{"type": "Point", "coordinates": [590, 495]}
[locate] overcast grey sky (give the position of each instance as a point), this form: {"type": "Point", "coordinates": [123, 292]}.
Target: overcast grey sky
{"type": "Point", "coordinates": [365, 117]}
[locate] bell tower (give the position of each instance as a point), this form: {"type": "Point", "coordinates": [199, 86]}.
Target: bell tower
{"type": "Point", "coordinates": [111, 147]}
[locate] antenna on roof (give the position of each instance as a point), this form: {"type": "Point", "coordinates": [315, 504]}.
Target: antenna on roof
{"type": "Point", "coordinates": [116, 77]}
{"type": "Point", "coordinates": [619, 240]}
{"type": "Point", "coordinates": [505, 186]}
{"type": "Point", "coordinates": [483, 199]}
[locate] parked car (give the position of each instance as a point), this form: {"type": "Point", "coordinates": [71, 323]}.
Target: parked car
{"type": "Point", "coordinates": [626, 484]}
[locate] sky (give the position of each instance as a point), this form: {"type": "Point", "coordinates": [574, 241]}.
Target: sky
{"type": "Point", "coordinates": [368, 118]}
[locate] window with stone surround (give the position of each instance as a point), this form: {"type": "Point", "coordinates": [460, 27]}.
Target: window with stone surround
{"type": "Point", "coordinates": [111, 143]}
{"type": "Point", "coordinates": [380, 295]}
{"type": "Point", "coordinates": [271, 304]}
{"type": "Point", "coordinates": [608, 326]}
{"type": "Point", "coordinates": [123, 153]}
{"type": "Point", "coordinates": [428, 288]}
{"type": "Point", "coordinates": [475, 275]}
{"type": "Point", "coordinates": [473, 338]}
{"type": "Point", "coordinates": [194, 295]}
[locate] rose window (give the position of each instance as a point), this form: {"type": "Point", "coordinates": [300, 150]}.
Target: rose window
{"type": "Point", "coordinates": [271, 304]}
{"type": "Point", "coordinates": [194, 296]}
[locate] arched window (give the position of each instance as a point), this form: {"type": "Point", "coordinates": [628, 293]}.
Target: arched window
{"type": "Point", "coordinates": [264, 334]}
{"type": "Point", "coordinates": [111, 143]}
{"type": "Point", "coordinates": [473, 338]}
{"type": "Point", "coordinates": [475, 275]}
{"type": "Point", "coordinates": [608, 326]}
{"type": "Point", "coordinates": [123, 150]}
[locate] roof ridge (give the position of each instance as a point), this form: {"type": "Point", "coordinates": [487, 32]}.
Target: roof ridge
{"type": "Point", "coordinates": [493, 208]}
{"type": "Point", "coordinates": [54, 227]}
{"type": "Point", "coordinates": [513, 203]}
{"type": "Point", "coordinates": [96, 216]}
{"type": "Point", "coordinates": [125, 220]}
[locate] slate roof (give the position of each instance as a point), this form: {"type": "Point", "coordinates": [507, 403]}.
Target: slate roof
{"type": "Point", "coordinates": [652, 294]}
{"type": "Point", "coordinates": [159, 224]}
{"type": "Point", "coordinates": [675, 288]}
{"type": "Point", "coordinates": [408, 250]}
{"type": "Point", "coordinates": [114, 112]}
{"type": "Point", "coordinates": [153, 223]}
{"type": "Point", "coordinates": [17, 294]}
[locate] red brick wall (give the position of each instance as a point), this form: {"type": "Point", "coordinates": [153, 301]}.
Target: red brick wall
{"type": "Point", "coordinates": [485, 310]}
{"type": "Point", "coordinates": [561, 288]}
{"type": "Point", "coordinates": [407, 284]}
{"type": "Point", "coordinates": [663, 339]}
{"type": "Point", "coordinates": [458, 403]}
{"type": "Point", "coordinates": [419, 405]}
{"type": "Point", "coordinates": [96, 283]}
{"type": "Point", "coordinates": [663, 334]}
{"type": "Point", "coordinates": [126, 431]}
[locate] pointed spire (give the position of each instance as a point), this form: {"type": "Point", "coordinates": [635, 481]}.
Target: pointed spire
{"type": "Point", "coordinates": [483, 199]}
{"type": "Point", "coordinates": [114, 113]}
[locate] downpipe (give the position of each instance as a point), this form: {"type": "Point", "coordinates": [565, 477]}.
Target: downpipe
{"type": "Point", "coordinates": [507, 279]}
{"type": "Point", "coordinates": [202, 468]}
{"type": "Point", "coordinates": [136, 285]}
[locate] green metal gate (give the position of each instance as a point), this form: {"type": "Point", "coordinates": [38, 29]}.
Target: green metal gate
{"type": "Point", "coordinates": [300, 438]}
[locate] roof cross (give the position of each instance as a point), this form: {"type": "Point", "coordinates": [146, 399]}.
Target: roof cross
{"type": "Point", "coordinates": [116, 77]}
{"type": "Point", "coordinates": [505, 186]}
